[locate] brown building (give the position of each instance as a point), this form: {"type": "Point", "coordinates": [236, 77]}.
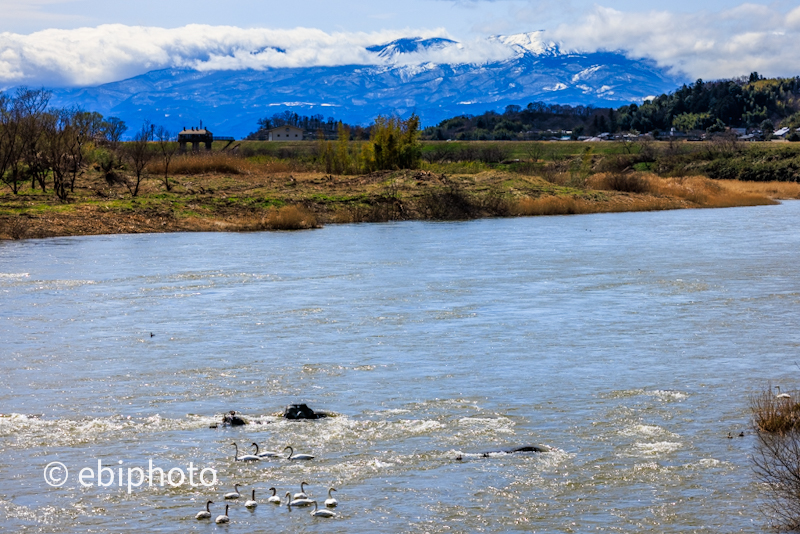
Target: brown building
{"type": "Point", "coordinates": [195, 137]}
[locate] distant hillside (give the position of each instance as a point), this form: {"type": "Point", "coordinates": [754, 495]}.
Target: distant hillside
{"type": "Point", "coordinates": [401, 82]}
{"type": "Point", "coordinates": [751, 102]}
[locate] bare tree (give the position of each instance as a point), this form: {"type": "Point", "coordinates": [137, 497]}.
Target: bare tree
{"type": "Point", "coordinates": [31, 112]}
{"type": "Point", "coordinates": [776, 461]}
{"type": "Point", "coordinates": [59, 144]}
{"type": "Point", "coordinates": [10, 146]}
{"type": "Point", "coordinates": [138, 154]}
{"type": "Point", "coordinates": [87, 127]}
{"type": "Point", "coordinates": [168, 148]}
{"type": "Point", "coordinates": [111, 131]}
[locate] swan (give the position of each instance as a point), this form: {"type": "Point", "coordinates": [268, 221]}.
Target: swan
{"type": "Point", "coordinates": [297, 502]}
{"type": "Point", "coordinates": [330, 502]}
{"type": "Point", "coordinates": [224, 518]}
{"type": "Point", "coordinates": [234, 494]}
{"type": "Point", "coordinates": [302, 494]}
{"type": "Point", "coordinates": [293, 456]}
{"type": "Point", "coordinates": [205, 514]}
{"type": "Point", "coordinates": [245, 457]}
{"type": "Point", "coordinates": [321, 513]}
{"type": "Point", "coordinates": [782, 395]}
{"type": "Point", "coordinates": [274, 499]}
{"type": "Point", "coordinates": [266, 454]}
{"type": "Point", "coordinates": [252, 502]}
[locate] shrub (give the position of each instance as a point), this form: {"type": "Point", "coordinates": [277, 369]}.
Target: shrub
{"type": "Point", "coordinates": [776, 459]}
{"type": "Point", "coordinates": [290, 218]}
{"type": "Point", "coordinates": [627, 183]}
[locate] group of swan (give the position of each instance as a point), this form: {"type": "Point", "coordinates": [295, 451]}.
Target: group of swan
{"type": "Point", "coordinates": [299, 499]}
{"type": "Point", "coordinates": [268, 454]}
{"type": "Point", "coordinates": [206, 514]}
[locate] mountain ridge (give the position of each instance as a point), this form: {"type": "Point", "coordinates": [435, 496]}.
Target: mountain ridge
{"type": "Point", "coordinates": [406, 80]}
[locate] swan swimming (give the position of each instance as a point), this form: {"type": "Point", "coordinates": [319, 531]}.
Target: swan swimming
{"type": "Point", "coordinates": [205, 514]}
{"type": "Point", "coordinates": [224, 518]}
{"type": "Point", "coordinates": [297, 502]}
{"type": "Point", "coordinates": [274, 499]}
{"type": "Point", "coordinates": [782, 395]}
{"type": "Point", "coordinates": [321, 513]}
{"type": "Point", "coordinates": [330, 502]}
{"type": "Point", "coordinates": [302, 494]}
{"type": "Point", "coordinates": [293, 456]}
{"type": "Point", "coordinates": [234, 494]}
{"type": "Point", "coordinates": [245, 457]}
{"type": "Point", "coordinates": [265, 454]}
{"type": "Point", "coordinates": [252, 502]}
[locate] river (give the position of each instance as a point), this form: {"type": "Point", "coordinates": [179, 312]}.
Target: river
{"type": "Point", "coordinates": [627, 343]}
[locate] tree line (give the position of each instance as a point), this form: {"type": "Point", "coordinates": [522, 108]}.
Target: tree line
{"type": "Point", "coordinates": [314, 124]}
{"type": "Point", "coordinates": [747, 102]}
{"type": "Point", "coordinates": [50, 147]}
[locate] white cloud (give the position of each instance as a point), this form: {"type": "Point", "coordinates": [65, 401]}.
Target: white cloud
{"type": "Point", "coordinates": [708, 45]}
{"type": "Point", "coordinates": [88, 56]}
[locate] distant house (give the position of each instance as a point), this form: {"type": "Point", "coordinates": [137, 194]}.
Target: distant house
{"type": "Point", "coordinates": [783, 132]}
{"type": "Point", "coordinates": [285, 133]}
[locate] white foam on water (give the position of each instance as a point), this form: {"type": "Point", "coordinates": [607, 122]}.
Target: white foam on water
{"type": "Point", "coordinates": [658, 448]}
{"type": "Point", "coordinates": [646, 431]}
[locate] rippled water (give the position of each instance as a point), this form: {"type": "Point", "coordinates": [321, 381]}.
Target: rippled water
{"type": "Point", "coordinates": [628, 343]}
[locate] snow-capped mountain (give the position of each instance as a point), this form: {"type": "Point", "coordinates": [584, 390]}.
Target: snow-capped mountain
{"type": "Point", "coordinates": [426, 76]}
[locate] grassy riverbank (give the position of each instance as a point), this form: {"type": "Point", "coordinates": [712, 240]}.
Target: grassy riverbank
{"type": "Point", "coordinates": [272, 186]}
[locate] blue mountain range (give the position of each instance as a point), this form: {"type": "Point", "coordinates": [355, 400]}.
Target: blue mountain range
{"type": "Point", "coordinates": [403, 81]}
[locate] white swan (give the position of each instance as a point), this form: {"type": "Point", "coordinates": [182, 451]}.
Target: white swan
{"type": "Point", "coordinates": [205, 514]}
{"type": "Point", "coordinates": [293, 456]}
{"type": "Point", "coordinates": [224, 518]}
{"type": "Point", "coordinates": [330, 502]}
{"type": "Point", "coordinates": [297, 502]}
{"type": "Point", "coordinates": [274, 499]}
{"type": "Point", "coordinates": [302, 494]}
{"type": "Point", "coordinates": [782, 395]}
{"type": "Point", "coordinates": [234, 494]}
{"type": "Point", "coordinates": [245, 457]}
{"type": "Point", "coordinates": [252, 502]}
{"type": "Point", "coordinates": [321, 513]}
{"type": "Point", "coordinates": [265, 454]}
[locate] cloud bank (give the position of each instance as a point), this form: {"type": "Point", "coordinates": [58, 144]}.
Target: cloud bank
{"type": "Point", "coordinates": [710, 45]}
{"type": "Point", "coordinates": [91, 56]}
{"type": "Point", "coordinates": [724, 44]}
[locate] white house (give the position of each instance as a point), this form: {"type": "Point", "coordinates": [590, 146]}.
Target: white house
{"type": "Point", "coordinates": [285, 133]}
{"type": "Point", "coordinates": [782, 132]}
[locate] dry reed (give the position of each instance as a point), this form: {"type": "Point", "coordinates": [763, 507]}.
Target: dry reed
{"type": "Point", "coordinates": [290, 218]}
{"type": "Point", "coordinates": [214, 163]}
{"type": "Point", "coordinates": [550, 205]}
{"type": "Point", "coordinates": [775, 414]}
{"type": "Point", "coordinates": [779, 190]}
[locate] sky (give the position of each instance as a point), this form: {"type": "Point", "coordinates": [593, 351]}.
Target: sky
{"type": "Point", "coordinates": [89, 42]}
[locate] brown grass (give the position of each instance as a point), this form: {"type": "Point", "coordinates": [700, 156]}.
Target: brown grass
{"type": "Point", "coordinates": [290, 218]}
{"type": "Point", "coordinates": [216, 162]}
{"type": "Point", "coordinates": [773, 414]}
{"type": "Point", "coordinates": [624, 182]}
{"type": "Point", "coordinates": [706, 193]}
{"type": "Point", "coordinates": [777, 190]}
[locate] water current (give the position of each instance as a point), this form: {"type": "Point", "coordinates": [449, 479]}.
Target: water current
{"type": "Point", "coordinates": [627, 343]}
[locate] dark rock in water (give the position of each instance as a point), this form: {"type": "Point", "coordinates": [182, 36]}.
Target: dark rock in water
{"type": "Point", "coordinates": [524, 448]}
{"type": "Point", "coordinates": [301, 411]}
{"type": "Point", "coordinates": [233, 419]}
